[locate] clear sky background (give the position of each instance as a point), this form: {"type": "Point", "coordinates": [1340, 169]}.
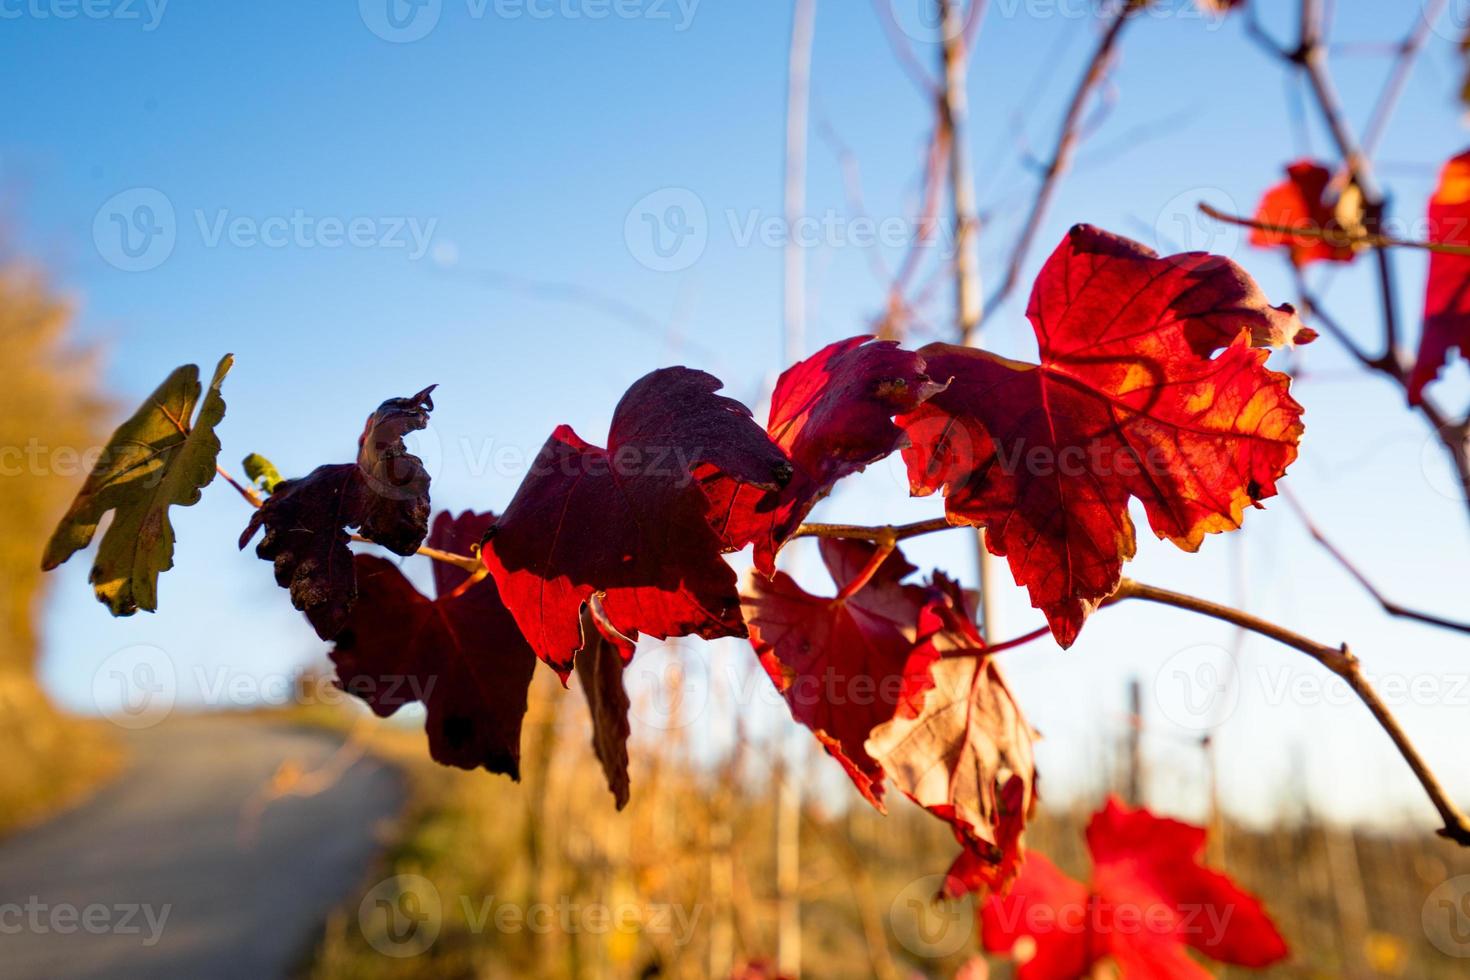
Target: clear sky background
{"type": "Point", "coordinates": [523, 148]}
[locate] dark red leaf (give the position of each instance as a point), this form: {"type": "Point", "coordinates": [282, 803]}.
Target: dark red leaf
{"type": "Point", "coordinates": [384, 496]}
{"type": "Point", "coordinates": [1149, 899]}
{"type": "Point", "coordinates": [460, 654]}
{"type": "Point", "coordinates": [1447, 292]}
{"type": "Point", "coordinates": [841, 664]}
{"type": "Point", "coordinates": [630, 523]}
{"type": "Point", "coordinates": [600, 667]}
{"type": "Point", "coordinates": [833, 415]}
{"type": "Point", "coordinates": [1149, 386]}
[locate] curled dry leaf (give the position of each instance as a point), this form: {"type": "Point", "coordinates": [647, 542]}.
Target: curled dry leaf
{"type": "Point", "coordinates": [629, 523]}
{"type": "Point", "coordinates": [1150, 385]}
{"type": "Point", "coordinates": [832, 414]}
{"type": "Point", "coordinates": [384, 496]}
{"type": "Point", "coordinates": [460, 653]}
{"type": "Point", "coordinates": [966, 756]}
{"type": "Point", "coordinates": [600, 664]}
{"type": "Point", "coordinates": [161, 457]}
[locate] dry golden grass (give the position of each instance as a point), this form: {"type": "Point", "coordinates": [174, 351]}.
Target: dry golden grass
{"type": "Point", "coordinates": [698, 843]}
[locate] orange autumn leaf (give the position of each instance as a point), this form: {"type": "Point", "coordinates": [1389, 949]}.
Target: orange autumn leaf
{"type": "Point", "coordinates": [1150, 385]}
{"type": "Point", "coordinates": [1305, 200]}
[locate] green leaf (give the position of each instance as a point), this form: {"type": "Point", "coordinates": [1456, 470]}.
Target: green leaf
{"type": "Point", "coordinates": [262, 473]}
{"type": "Point", "coordinates": [155, 460]}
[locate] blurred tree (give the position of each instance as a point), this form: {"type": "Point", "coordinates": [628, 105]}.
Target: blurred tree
{"type": "Point", "coordinates": [51, 421]}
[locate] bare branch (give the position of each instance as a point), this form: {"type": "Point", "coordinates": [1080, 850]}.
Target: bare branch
{"type": "Point", "coordinates": [1339, 660]}
{"type": "Point", "coordinates": [1451, 435]}
{"type": "Point", "coordinates": [878, 535]}
{"type": "Point", "coordinates": [1389, 606]}
{"type": "Point", "coordinates": [1066, 144]}
{"type": "Point", "coordinates": [1335, 236]}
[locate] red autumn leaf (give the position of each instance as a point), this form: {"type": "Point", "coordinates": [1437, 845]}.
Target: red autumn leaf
{"type": "Point", "coordinates": [460, 654]}
{"type": "Point", "coordinates": [600, 667]}
{"type": "Point", "coordinates": [966, 754]}
{"type": "Point", "coordinates": [1149, 900]}
{"type": "Point", "coordinates": [1149, 386]}
{"type": "Point", "coordinates": [1303, 201]}
{"type": "Point", "coordinates": [384, 496]}
{"type": "Point", "coordinates": [1447, 292]}
{"type": "Point", "coordinates": [833, 415]}
{"type": "Point", "coordinates": [843, 664]}
{"type": "Point", "coordinates": [629, 524]}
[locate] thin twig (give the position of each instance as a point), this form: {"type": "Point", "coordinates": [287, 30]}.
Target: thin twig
{"type": "Point", "coordinates": [1451, 435]}
{"type": "Point", "coordinates": [1066, 144]}
{"type": "Point", "coordinates": [1389, 606]}
{"type": "Point", "coordinates": [863, 532]}
{"type": "Point", "coordinates": [1393, 89]}
{"type": "Point", "coordinates": [1339, 660]}
{"type": "Point", "coordinates": [1016, 641]}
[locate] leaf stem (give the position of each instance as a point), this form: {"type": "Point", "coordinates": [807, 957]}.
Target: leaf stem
{"type": "Point", "coordinates": [879, 534]}
{"type": "Point", "coordinates": [1339, 660]}
{"type": "Point", "coordinates": [251, 497]}
{"type": "Point", "coordinates": [875, 561]}
{"type": "Point", "coordinates": [1017, 641]}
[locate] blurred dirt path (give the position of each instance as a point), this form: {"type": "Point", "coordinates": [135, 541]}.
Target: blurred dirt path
{"type": "Point", "coordinates": [176, 870]}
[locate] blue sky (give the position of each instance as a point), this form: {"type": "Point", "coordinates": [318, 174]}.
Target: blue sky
{"type": "Point", "coordinates": [355, 217]}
